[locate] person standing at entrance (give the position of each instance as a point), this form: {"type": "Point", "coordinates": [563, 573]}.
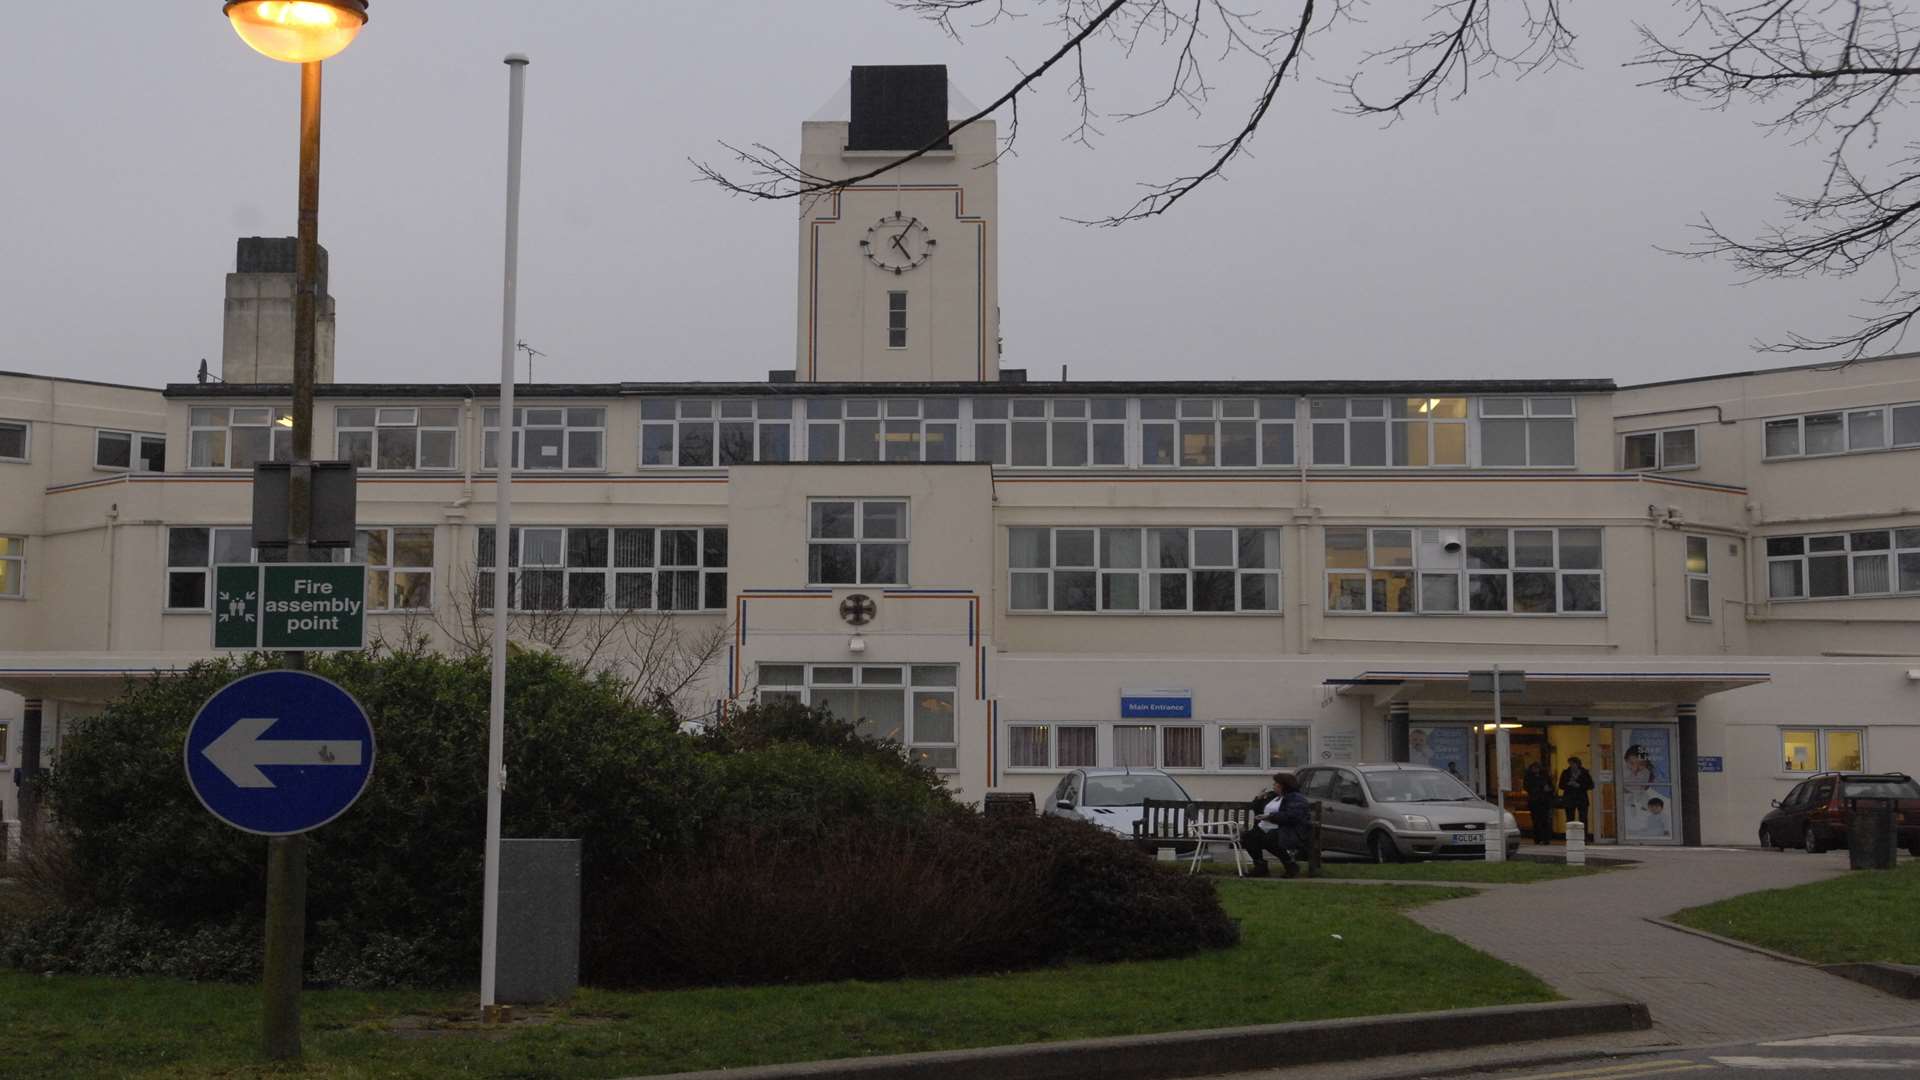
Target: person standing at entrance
{"type": "Point", "coordinates": [1539, 785]}
{"type": "Point", "coordinates": [1575, 784]}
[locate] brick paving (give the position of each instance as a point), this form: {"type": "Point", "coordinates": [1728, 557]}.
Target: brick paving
{"type": "Point", "coordinates": [1588, 937]}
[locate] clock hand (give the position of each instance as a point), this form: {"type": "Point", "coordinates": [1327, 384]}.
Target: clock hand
{"type": "Point", "coordinates": [902, 247]}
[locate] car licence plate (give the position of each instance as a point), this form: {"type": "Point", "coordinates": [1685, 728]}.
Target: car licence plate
{"type": "Point", "coordinates": [1467, 838]}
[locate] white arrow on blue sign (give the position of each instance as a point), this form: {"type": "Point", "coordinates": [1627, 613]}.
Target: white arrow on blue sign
{"type": "Point", "coordinates": [279, 752]}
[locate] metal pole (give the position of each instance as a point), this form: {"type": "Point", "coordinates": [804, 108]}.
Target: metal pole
{"type": "Point", "coordinates": [287, 855]}
{"type": "Point", "coordinates": [1503, 773]}
{"type": "Point", "coordinates": [502, 536]}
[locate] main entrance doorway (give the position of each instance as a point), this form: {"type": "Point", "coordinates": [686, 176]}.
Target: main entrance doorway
{"type": "Point", "coordinates": [1630, 784]}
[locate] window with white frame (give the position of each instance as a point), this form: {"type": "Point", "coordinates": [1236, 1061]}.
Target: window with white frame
{"type": "Point", "coordinates": [129, 451]}
{"type": "Point", "coordinates": [1822, 749]}
{"type": "Point", "coordinates": [1159, 746]}
{"type": "Point", "coordinates": [595, 568]}
{"type": "Point", "coordinates": [1052, 746]}
{"type": "Point", "coordinates": [397, 438]}
{"type": "Point", "coordinates": [399, 565]}
{"type": "Point", "coordinates": [857, 542]}
{"type": "Point", "coordinates": [1433, 571]}
{"type": "Point", "coordinates": [911, 705]}
{"type": "Point", "coordinates": [1207, 570]}
{"type": "Point", "coordinates": [1265, 746]}
{"type": "Point", "coordinates": [13, 566]}
{"type": "Point", "coordinates": [238, 437]}
{"type": "Point", "coordinates": [707, 432]}
{"type": "Point", "coordinates": [1526, 431]}
{"type": "Point", "coordinates": [1663, 451]}
{"type": "Point", "coordinates": [192, 553]}
{"type": "Point", "coordinates": [1402, 432]}
{"type": "Point", "coordinates": [1866, 562]}
{"type": "Point", "coordinates": [1699, 587]}
{"type": "Point", "coordinates": [1065, 432]}
{"type": "Point", "coordinates": [549, 438]}
{"type": "Point", "coordinates": [1216, 432]}
{"type": "Point", "coordinates": [896, 320]}
{"type": "Point", "coordinates": [890, 429]}
{"type": "Point", "coordinates": [1843, 431]}
{"type": "Point", "coordinates": [13, 440]}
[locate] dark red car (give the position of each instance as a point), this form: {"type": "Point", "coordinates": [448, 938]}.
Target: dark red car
{"type": "Point", "coordinates": [1815, 814]}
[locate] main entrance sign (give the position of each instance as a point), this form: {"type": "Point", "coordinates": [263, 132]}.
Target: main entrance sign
{"type": "Point", "coordinates": [304, 606]}
{"type": "Point", "coordinates": [279, 752]}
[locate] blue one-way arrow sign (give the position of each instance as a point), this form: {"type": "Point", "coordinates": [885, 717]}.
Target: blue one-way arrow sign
{"type": "Point", "coordinates": [279, 752]}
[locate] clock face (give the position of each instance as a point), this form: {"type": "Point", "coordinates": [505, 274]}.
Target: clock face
{"type": "Point", "coordinates": [897, 243]}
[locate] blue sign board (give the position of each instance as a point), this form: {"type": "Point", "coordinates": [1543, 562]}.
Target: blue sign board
{"type": "Point", "coordinates": [1709, 764]}
{"type": "Point", "coordinates": [1156, 704]}
{"type": "Point", "coordinates": [279, 752]}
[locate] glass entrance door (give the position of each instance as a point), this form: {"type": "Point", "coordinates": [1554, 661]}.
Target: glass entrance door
{"type": "Point", "coordinates": [1604, 828]}
{"type": "Point", "coordinates": [1648, 800]}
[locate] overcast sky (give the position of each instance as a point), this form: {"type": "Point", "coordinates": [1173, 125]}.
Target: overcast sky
{"type": "Point", "coordinates": [1514, 233]}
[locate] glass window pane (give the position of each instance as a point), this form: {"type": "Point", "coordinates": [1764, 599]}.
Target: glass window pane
{"type": "Point", "coordinates": [1909, 572]}
{"type": "Point", "coordinates": [586, 592]}
{"type": "Point", "coordinates": [1486, 549]}
{"type": "Point", "coordinates": [1288, 746]}
{"type": "Point", "coordinates": [1873, 540]}
{"type": "Point", "coordinates": [1906, 425]}
{"type": "Point", "coordinates": [1783, 438]}
{"type": "Point", "coordinates": [1843, 751]}
{"type": "Point", "coordinates": [1183, 747]}
{"type": "Point", "coordinates": [1073, 547]}
{"type": "Point", "coordinates": [1237, 446]}
{"type": "Point", "coordinates": [113, 450]}
{"type": "Point", "coordinates": [206, 449]}
{"type": "Point", "coordinates": [1120, 592]}
{"type": "Point", "coordinates": [883, 520]}
{"type": "Point", "coordinates": [1109, 444]}
{"type": "Point", "coordinates": [1439, 592]}
{"type": "Point", "coordinates": [1678, 449]}
{"type": "Point", "coordinates": [1214, 590]}
{"type": "Point", "coordinates": [1346, 548]}
{"type": "Point", "coordinates": [1029, 592]}
{"type": "Point", "coordinates": [863, 440]}
{"type": "Point", "coordinates": [586, 547]}
{"type": "Point", "coordinates": [1867, 430]}
{"type": "Point", "coordinates": [883, 564]}
{"type": "Point", "coordinates": [935, 675]}
{"type": "Point", "coordinates": [1156, 444]}
{"type": "Point", "coordinates": [232, 545]}
{"type": "Point", "coordinates": [1259, 592]}
{"type": "Point", "coordinates": [1550, 442]}
{"type": "Point", "coordinates": [188, 547]}
{"type": "Point", "coordinates": [1579, 549]}
{"type": "Point", "coordinates": [881, 714]}
{"type": "Point", "coordinates": [1449, 444]}
{"type": "Point", "coordinates": [1075, 746]}
{"type": "Point", "coordinates": [1169, 592]}
{"type": "Point", "coordinates": [1533, 547]}
{"type": "Point", "coordinates": [187, 590]}
{"type": "Point", "coordinates": [394, 448]}
{"type": "Point", "coordinates": [541, 547]}
{"type": "Point", "coordinates": [1786, 545]}
{"type": "Point", "coordinates": [1120, 549]}
{"type": "Point", "coordinates": [1030, 443]}
{"type": "Point", "coordinates": [1329, 444]}
{"type": "Point", "coordinates": [1800, 751]}
{"type": "Point", "coordinates": [1259, 549]}
{"type": "Point", "coordinates": [1533, 594]}
{"type": "Point", "coordinates": [370, 546]}
{"type": "Point", "coordinates": [1871, 574]}
{"type": "Point", "coordinates": [1825, 433]}
{"type": "Point", "coordinates": [437, 449]}
{"type": "Point", "coordinates": [1699, 599]}
{"type": "Point", "coordinates": [1503, 442]}
{"type": "Point", "coordinates": [933, 716]}
{"type": "Point", "coordinates": [1367, 442]}
{"type": "Point", "coordinates": [1069, 443]}
{"type": "Point", "coordinates": [1346, 592]}
{"type": "Point", "coordinates": [1239, 747]}
{"type": "Point", "coordinates": [545, 448]}
{"type": "Point", "coordinates": [1487, 592]}
{"type": "Point", "coordinates": [1696, 554]}
{"type": "Point", "coordinates": [1503, 406]}
{"type": "Point", "coordinates": [1213, 547]}
{"type": "Point", "coordinates": [1027, 548]}
{"type": "Point", "coordinates": [1641, 451]}
{"type": "Point", "coordinates": [413, 547]}
{"type": "Point", "coordinates": [1580, 592]}
{"type": "Point", "coordinates": [1276, 444]}
{"type": "Point", "coordinates": [1027, 746]}
{"type": "Point", "coordinates": [831, 520]}
{"type": "Point", "coordinates": [1196, 443]}
{"type": "Point", "coordinates": [679, 547]}
{"type": "Point", "coordinates": [1392, 547]}
{"type": "Point", "coordinates": [1827, 575]}
{"type": "Point", "coordinates": [1167, 548]}
{"type": "Point", "coordinates": [1392, 591]}
{"type": "Point", "coordinates": [1073, 590]}
{"type": "Point", "coordinates": [1784, 580]}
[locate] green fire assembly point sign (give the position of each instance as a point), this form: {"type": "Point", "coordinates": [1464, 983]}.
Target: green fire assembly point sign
{"type": "Point", "coordinates": [310, 606]}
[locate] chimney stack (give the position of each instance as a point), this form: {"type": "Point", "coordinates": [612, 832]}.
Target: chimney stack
{"type": "Point", "coordinates": [257, 343]}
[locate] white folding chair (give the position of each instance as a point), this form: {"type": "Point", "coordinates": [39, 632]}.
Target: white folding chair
{"type": "Point", "coordinates": [1205, 833]}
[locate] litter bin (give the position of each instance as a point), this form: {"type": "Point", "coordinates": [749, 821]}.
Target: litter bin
{"type": "Point", "coordinates": [1015, 804]}
{"type": "Point", "coordinates": [1870, 834]}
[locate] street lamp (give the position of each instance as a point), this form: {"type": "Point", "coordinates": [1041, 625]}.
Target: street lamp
{"type": "Point", "coordinates": [297, 31]}
{"type": "Point", "coordinates": [303, 32]}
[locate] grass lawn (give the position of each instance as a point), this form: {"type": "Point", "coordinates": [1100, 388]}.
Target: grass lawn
{"type": "Point", "coordinates": [1512, 873]}
{"type": "Point", "coordinates": [73, 1027]}
{"type": "Point", "coordinates": [1868, 915]}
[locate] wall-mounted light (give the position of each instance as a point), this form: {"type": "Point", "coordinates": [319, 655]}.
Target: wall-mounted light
{"type": "Point", "coordinates": [856, 644]}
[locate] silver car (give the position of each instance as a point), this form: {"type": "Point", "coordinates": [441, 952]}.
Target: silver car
{"type": "Point", "coordinates": [1394, 812]}
{"type": "Point", "coordinates": [1111, 798]}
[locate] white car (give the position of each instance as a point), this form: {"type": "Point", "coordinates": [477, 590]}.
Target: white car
{"type": "Point", "coordinates": [1111, 798]}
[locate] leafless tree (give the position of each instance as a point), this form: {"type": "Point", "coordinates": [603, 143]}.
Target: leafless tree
{"type": "Point", "coordinates": [1834, 72]}
{"type": "Point", "coordinates": [656, 656]}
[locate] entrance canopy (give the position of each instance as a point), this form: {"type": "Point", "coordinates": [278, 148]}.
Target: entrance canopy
{"type": "Point", "coordinates": [85, 677]}
{"type": "Point", "coordinates": [1559, 688]}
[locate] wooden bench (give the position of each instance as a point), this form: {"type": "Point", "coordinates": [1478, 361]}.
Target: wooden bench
{"type": "Point", "coordinates": [1166, 822]}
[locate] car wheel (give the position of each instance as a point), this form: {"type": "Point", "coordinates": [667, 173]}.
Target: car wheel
{"type": "Point", "coordinates": [1811, 841]}
{"type": "Point", "coordinates": [1382, 848]}
{"type": "Point", "coordinates": [1767, 840]}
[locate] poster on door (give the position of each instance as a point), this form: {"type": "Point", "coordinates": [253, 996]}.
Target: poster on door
{"type": "Point", "coordinates": [1646, 778]}
{"type": "Point", "coordinates": [1442, 747]}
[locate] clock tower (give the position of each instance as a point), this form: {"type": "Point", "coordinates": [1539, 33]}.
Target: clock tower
{"type": "Point", "coordinates": [899, 275]}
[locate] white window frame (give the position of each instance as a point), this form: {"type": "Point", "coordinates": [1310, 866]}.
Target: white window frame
{"type": "Point", "coordinates": [1820, 733]}
{"type": "Point", "coordinates": [1387, 414]}
{"type": "Point", "coordinates": [1263, 744]}
{"type": "Point", "coordinates": [13, 568]}
{"type": "Point", "coordinates": [1464, 573]}
{"type": "Point", "coordinates": [897, 319]}
{"type": "Point", "coordinates": [769, 424]}
{"type": "Point", "coordinates": [1145, 576]}
{"type": "Point", "coordinates": [25, 428]}
{"type": "Point", "coordinates": [859, 540]}
{"type": "Point", "coordinates": [1699, 582]}
{"type": "Point", "coordinates": [712, 575]}
{"type": "Point", "coordinates": [1056, 418]}
{"type": "Point", "coordinates": [277, 420]}
{"type": "Point", "coordinates": [1173, 420]}
{"type": "Point", "coordinates": [381, 594]}
{"type": "Point", "coordinates": [525, 420]}
{"type": "Point", "coordinates": [1531, 408]}
{"type": "Point", "coordinates": [1903, 545]}
{"type": "Point", "coordinates": [395, 418]}
{"type": "Point", "coordinates": [943, 755]}
{"type": "Point", "coordinates": [1663, 456]}
{"type": "Point", "coordinates": [137, 443]}
{"type": "Point", "coordinates": [205, 570]}
{"type": "Point", "coordinates": [1160, 730]}
{"type": "Point", "coordinates": [1052, 732]}
{"type": "Point", "coordinates": [1887, 418]}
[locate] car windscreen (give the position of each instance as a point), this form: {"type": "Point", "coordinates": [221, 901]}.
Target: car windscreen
{"type": "Point", "coordinates": [1417, 785]}
{"type": "Point", "coordinates": [1880, 787]}
{"type": "Point", "coordinates": [1130, 788]}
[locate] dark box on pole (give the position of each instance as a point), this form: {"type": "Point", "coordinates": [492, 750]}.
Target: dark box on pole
{"type": "Point", "coordinates": [335, 504]}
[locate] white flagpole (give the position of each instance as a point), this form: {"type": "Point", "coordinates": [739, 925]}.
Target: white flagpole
{"type": "Point", "coordinates": [502, 537]}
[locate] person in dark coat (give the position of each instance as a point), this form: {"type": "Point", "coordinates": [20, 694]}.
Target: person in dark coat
{"type": "Point", "coordinates": [1281, 827]}
{"type": "Point", "coordinates": [1575, 783]}
{"type": "Point", "coordinates": [1539, 784]}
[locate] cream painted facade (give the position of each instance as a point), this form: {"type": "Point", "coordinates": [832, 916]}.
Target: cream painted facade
{"type": "Point", "coordinates": [1031, 553]}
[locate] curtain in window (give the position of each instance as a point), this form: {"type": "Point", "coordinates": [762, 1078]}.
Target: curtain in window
{"type": "Point", "coordinates": [1133, 745]}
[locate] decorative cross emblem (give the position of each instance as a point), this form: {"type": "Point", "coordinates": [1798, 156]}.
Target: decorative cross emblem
{"type": "Point", "coordinates": [858, 609]}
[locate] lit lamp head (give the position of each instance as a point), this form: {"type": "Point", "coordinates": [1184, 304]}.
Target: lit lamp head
{"type": "Point", "coordinates": [297, 31]}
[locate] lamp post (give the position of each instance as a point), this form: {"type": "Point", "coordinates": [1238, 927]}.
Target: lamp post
{"type": "Point", "coordinates": [304, 32]}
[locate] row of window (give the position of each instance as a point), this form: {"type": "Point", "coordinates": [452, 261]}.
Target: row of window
{"type": "Point", "coordinates": [1113, 570]}
{"type": "Point", "coordinates": [13, 566]}
{"type": "Point", "coordinates": [908, 704]}
{"type": "Point", "coordinates": [1846, 431]}
{"type": "Point", "coordinates": [399, 562]}
{"type": "Point", "coordinates": [1870, 562]}
{"type": "Point", "coordinates": [1432, 571]}
{"type": "Point", "coordinates": [1251, 745]}
{"type": "Point", "coordinates": [607, 569]}
{"type": "Point", "coordinates": [1021, 432]}
{"type": "Point", "coordinates": [1806, 750]}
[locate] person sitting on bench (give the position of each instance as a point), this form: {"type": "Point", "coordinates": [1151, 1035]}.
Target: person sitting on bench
{"type": "Point", "coordinates": [1280, 827]}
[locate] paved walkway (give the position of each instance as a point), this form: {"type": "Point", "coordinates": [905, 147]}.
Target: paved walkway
{"type": "Point", "coordinates": [1589, 938]}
